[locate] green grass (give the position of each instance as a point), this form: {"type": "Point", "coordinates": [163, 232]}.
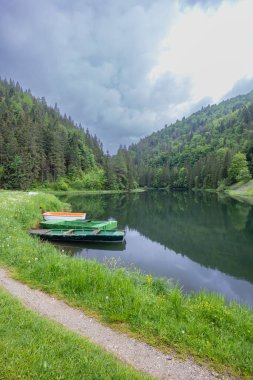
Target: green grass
{"type": "Point", "coordinates": [202, 325]}
{"type": "Point", "coordinates": [242, 191]}
{"type": "Point", "coordinates": [139, 190]}
{"type": "Point", "coordinates": [34, 348]}
{"type": "Point", "coordinates": [242, 188]}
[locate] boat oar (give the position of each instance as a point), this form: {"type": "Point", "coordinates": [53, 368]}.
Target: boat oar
{"type": "Point", "coordinates": [95, 232]}
{"type": "Point", "coordinates": [68, 232]}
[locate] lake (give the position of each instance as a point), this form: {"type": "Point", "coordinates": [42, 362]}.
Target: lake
{"type": "Point", "coordinates": [200, 241]}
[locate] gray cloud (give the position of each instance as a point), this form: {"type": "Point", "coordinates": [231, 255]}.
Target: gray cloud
{"type": "Point", "coordinates": [242, 86]}
{"type": "Point", "coordinates": [202, 3]}
{"type": "Point", "coordinates": [204, 102]}
{"type": "Point", "coordinates": [92, 58]}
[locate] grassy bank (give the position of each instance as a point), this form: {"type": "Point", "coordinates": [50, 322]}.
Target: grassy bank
{"type": "Point", "coordinates": [52, 190]}
{"type": "Point", "coordinates": [202, 325]}
{"type": "Point", "coordinates": [242, 191]}
{"type": "Point", "coordinates": [93, 192]}
{"type": "Point", "coordinates": [34, 348]}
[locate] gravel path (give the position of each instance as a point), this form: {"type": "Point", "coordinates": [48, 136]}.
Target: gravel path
{"type": "Point", "coordinates": [139, 355]}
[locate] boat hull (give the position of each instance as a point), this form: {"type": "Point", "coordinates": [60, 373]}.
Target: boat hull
{"type": "Point", "coordinates": [68, 216]}
{"type": "Point", "coordinates": [80, 224]}
{"type": "Point", "coordinates": [101, 236]}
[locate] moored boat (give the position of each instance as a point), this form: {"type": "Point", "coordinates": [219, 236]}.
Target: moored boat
{"type": "Point", "coordinates": [54, 215]}
{"type": "Point", "coordinates": [86, 224]}
{"type": "Point", "coordinates": [91, 236]}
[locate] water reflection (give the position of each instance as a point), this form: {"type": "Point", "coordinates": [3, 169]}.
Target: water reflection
{"type": "Point", "coordinates": [199, 240]}
{"type": "Point", "coordinates": [74, 248]}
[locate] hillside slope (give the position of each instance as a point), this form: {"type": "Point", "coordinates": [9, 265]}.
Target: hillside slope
{"type": "Point", "coordinates": [38, 144]}
{"type": "Point", "coordinates": [197, 151]}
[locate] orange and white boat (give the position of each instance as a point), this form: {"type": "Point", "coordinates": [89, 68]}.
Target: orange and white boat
{"type": "Point", "coordinates": [53, 215]}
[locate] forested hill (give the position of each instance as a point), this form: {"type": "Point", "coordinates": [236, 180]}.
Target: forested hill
{"type": "Point", "coordinates": [40, 146]}
{"type": "Point", "coordinates": [213, 147]}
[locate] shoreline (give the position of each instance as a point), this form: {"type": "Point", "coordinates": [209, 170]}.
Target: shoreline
{"type": "Point", "coordinates": [201, 324]}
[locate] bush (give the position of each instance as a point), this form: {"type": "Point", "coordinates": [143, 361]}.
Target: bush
{"type": "Point", "coordinates": [239, 168]}
{"type": "Point", "coordinates": [244, 175]}
{"type": "Point", "coordinates": [78, 184]}
{"type": "Point", "coordinates": [94, 180]}
{"type": "Point", "coordinates": [61, 185]}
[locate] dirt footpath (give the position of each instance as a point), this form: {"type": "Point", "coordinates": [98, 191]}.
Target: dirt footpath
{"type": "Point", "coordinates": [139, 355]}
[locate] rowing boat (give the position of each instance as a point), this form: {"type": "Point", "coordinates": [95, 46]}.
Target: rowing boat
{"type": "Point", "coordinates": [86, 224]}
{"type": "Point", "coordinates": [53, 215]}
{"type": "Point", "coordinates": [91, 236]}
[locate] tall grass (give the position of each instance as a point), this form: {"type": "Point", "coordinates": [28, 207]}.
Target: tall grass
{"type": "Point", "coordinates": [243, 191]}
{"type": "Point", "coordinates": [201, 324]}
{"type": "Point", "coordinates": [33, 348]}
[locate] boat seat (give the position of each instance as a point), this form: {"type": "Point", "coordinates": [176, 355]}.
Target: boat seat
{"type": "Point", "coordinates": [68, 232]}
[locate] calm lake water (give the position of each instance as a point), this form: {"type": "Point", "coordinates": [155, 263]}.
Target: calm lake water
{"type": "Point", "coordinates": [200, 241]}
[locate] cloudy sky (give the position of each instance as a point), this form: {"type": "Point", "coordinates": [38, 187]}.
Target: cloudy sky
{"type": "Point", "coordinates": [126, 68]}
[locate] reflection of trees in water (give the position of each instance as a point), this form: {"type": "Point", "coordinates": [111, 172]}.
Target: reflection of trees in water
{"type": "Point", "coordinates": [213, 232]}
{"type": "Point", "coordinates": [93, 205]}
{"type": "Point", "coordinates": [239, 215]}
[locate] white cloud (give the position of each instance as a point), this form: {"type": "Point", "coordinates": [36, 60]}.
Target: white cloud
{"type": "Point", "coordinates": [211, 46]}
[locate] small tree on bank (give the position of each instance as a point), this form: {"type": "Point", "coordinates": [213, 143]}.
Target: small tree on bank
{"type": "Point", "coordinates": [239, 170]}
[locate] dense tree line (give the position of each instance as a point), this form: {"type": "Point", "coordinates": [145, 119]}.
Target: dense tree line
{"type": "Point", "coordinates": [40, 147]}
{"type": "Point", "coordinates": [211, 148]}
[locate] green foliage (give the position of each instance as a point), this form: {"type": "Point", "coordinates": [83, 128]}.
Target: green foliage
{"type": "Point", "coordinates": [16, 174]}
{"type": "Point", "coordinates": [41, 148]}
{"type": "Point", "coordinates": [243, 175]}
{"type": "Point", "coordinates": [196, 152]}
{"type": "Point", "coordinates": [122, 170]}
{"type": "Point", "coordinates": [181, 180]}
{"type": "Point", "coordinates": [238, 170]}
{"type": "Point", "coordinates": [39, 145]}
{"type": "Point", "coordinates": [61, 185]}
{"type": "Point", "coordinates": [221, 186]}
{"type": "Point", "coordinates": [94, 180]}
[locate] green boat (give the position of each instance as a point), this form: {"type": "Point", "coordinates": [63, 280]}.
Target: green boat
{"type": "Point", "coordinates": [73, 235]}
{"type": "Point", "coordinates": [80, 224]}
